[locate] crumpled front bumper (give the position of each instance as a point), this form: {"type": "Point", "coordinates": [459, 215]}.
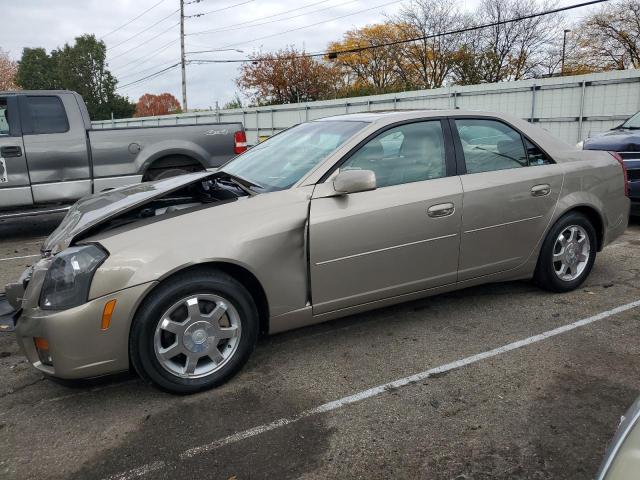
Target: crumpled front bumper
{"type": "Point", "coordinates": [78, 347]}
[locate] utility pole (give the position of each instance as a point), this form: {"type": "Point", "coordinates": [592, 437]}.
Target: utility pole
{"type": "Point", "coordinates": [564, 46]}
{"type": "Point", "coordinates": [182, 59]}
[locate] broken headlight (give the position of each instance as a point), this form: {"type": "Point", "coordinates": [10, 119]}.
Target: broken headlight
{"type": "Point", "coordinates": [68, 279]}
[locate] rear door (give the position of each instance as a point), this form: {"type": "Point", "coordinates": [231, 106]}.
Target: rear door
{"type": "Point", "coordinates": [14, 176]}
{"type": "Point", "coordinates": [55, 140]}
{"type": "Point", "coordinates": [400, 238]}
{"type": "Point", "coordinates": [510, 191]}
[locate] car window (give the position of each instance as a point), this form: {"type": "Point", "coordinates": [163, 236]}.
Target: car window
{"type": "Point", "coordinates": [4, 117]}
{"type": "Point", "coordinates": [490, 145]}
{"type": "Point", "coordinates": [404, 154]}
{"type": "Point", "coordinates": [47, 114]}
{"type": "Point", "coordinates": [282, 160]}
{"type": "Point", "coordinates": [535, 155]}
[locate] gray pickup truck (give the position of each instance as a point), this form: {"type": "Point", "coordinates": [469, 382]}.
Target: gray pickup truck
{"type": "Point", "coordinates": [50, 156]}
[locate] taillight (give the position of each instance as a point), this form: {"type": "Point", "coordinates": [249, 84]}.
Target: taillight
{"type": "Point", "coordinates": [241, 142]}
{"type": "Point", "coordinates": [620, 160]}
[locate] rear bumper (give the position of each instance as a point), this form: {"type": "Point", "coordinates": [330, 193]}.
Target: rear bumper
{"type": "Point", "coordinates": [78, 348]}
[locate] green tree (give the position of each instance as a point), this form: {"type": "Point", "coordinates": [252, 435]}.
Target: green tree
{"type": "Point", "coordinates": [82, 68]}
{"type": "Point", "coordinates": [36, 70]}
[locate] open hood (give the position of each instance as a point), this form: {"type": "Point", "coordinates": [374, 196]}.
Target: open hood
{"type": "Point", "coordinates": [93, 210]}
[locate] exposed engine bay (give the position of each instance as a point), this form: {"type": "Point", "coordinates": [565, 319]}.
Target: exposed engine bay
{"type": "Point", "coordinates": [199, 194]}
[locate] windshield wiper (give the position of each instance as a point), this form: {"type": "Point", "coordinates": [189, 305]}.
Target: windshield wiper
{"type": "Point", "coordinates": [629, 127]}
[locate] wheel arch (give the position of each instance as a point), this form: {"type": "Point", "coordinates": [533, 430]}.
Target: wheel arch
{"type": "Point", "coordinates": [239, 273]}
{"type": "Point", "coordinates": [171, 160]}
{"type": "Point", "coordinates": [594, 217]}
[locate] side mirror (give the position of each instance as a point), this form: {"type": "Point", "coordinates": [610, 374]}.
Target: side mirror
{"type": "Point", "coordinates": [353, 181]}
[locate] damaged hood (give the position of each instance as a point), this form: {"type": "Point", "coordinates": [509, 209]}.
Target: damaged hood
{"type": "Point", "coordinates": [93, 210]}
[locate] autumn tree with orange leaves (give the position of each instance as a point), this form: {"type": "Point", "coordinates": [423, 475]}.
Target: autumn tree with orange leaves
{"type": "Point", "coordinates": [153, 105]}
{"type": "Point", "coordinates": [287, 76]}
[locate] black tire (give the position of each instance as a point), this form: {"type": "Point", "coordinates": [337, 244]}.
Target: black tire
{"type": "Point", "coordinates": [545, 275]}
{"type": "Point", "coordinates": [201, 281]}
{"type": "Point", "coordinates": [161, 174]}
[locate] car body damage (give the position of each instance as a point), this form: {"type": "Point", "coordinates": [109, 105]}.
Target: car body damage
{"type": "Point", "coordinates": [126, 205]}
{"type": "Point", "coordinates": [329, 218]}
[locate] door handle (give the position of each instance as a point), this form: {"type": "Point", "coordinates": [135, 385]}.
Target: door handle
{"type": "Point", "coordinates": [11, 151]}
{"type": "Point", "coordinates": [441, 210]}
{"type": "Point", "coordinates": [540, 190]}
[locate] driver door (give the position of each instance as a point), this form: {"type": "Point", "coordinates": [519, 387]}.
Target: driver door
{"type": "Point", "coordinates": [15, 189]}
{"type": "Point", "coordinates": [400, 238]}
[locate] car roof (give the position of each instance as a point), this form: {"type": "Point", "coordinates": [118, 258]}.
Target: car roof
{"type": "Point", "coordinates": [390, 116]}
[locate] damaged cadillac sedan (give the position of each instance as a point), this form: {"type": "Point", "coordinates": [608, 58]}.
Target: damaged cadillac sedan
{"type": "Point", "coordinates": [178, 278]}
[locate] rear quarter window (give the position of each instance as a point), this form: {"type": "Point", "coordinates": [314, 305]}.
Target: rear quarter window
{"type": "Point", "coordinates": [47, 114]}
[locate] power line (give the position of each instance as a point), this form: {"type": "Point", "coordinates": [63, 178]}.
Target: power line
{"type": "Point", "coordinates": [148, 77]}
{"type": "Point", "coordinates": [145, 42]}
{"type": "Point", "coordinates": [132, 20]}
{"type": "Point", "coordinates": [217, 10]}
{"type": "Point", "coordinates": [382, 45]}
{"type": "Point", "coordinates": [144, 30]}
{"type": "Point", "coordinates": [148, 57]}
{"type": "Point", "coordinates": [204, 32]}
{"type": "Point", "coordinates": [312, 25]}
{"type": "Point", "coordinates": [240, 27]}
{"type": "Point", "coordinates": [409, 40]}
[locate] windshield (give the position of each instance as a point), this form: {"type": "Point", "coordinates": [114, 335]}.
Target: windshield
{"type": "Point", "coordinates": [282, 160]}
{"type": "Point", "coordinates": [633, 122]}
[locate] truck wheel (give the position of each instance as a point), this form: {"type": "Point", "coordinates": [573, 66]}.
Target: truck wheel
{"type": "Point", "coordinates": [166, 173]}
{"type": "Point", "coordinates": [567, 255]}
{"type": "Point", "coordinates": [194, 332]}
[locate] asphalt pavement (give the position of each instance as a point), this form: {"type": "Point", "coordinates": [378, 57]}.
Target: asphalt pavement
{"type": "Point", "coordinates": [456, 386]}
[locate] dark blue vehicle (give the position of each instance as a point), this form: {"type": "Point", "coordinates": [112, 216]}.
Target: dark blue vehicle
{"type": "Point", "coordinates": [625, 140]}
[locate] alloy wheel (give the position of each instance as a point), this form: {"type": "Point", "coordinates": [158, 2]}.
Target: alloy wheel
{"type": "Point", "coordinates": [571, 253]}
{"type": "Point", "coordinates": [197, 335]}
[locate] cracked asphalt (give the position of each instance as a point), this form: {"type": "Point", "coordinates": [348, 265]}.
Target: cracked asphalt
{"type": "Point", "coordinates": [543, 411]}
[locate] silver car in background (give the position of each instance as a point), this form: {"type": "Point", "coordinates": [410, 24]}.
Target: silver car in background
{"type": "Point", "coordinates": [178, 277]}
{"type": "Point", "coordinates": [622, 460]}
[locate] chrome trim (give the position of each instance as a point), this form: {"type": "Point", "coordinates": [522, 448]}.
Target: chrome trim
{"type": "Point", "coordinates": [324, 262]}
{"type": "Point", "coordinates": [60, 191]}
{"type": "Point", "coordinates": [33, 213]}
{"type": "Point", "coordinates": [104, 183]}
{"type": "Point", "coordinates": [503, 224]}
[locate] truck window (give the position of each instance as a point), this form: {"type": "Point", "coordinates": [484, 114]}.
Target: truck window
{"type": "Point", "coordinates": [4, 117]}
{"type": "Point", "coordinates": [47, 114]}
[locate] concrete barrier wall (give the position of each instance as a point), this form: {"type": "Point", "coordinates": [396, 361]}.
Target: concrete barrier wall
{"type": "Point", "coordinates": [571, 108]}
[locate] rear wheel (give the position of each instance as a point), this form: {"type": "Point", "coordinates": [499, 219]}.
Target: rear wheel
{"type": "Point", "coordinates": [568, 254]}
{"type": "Point", "coordinates": [166, 173]}
{"type": "Point", "coordinates": [194, 332]}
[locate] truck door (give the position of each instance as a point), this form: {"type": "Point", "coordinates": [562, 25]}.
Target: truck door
{"type": "Point", "coordinates": [14, 176]}
{"type": "Point", "coordinates": [55, 140]}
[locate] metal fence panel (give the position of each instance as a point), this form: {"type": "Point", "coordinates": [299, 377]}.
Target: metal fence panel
{"type": "Point", "coordinates": [571, 108]}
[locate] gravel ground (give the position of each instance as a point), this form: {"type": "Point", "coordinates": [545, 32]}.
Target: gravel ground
{"type": "Point", "coordinates": [543, 411]}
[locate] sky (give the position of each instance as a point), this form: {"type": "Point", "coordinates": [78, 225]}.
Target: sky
{"type": "Point", "coordinates": [139, 47]}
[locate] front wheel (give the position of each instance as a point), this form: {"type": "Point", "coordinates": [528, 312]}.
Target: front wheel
{"type": "Point", "coordinates": [567, 255]}
{"type": "Point", "coordinates": [194, 332]}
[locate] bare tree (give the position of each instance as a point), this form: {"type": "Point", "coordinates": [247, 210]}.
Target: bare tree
{"type": "Point", "coordinates": [610, 39]}
{"type": "Point", "coordinates": [428, 62]}
{"type": "Point", "coordinates": [514, 50]}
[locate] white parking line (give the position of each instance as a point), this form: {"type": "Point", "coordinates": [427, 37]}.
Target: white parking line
{"type": "Point", "coordinates": [374, 391]}
{"type": "Point", "coordinates": [18, 258]}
